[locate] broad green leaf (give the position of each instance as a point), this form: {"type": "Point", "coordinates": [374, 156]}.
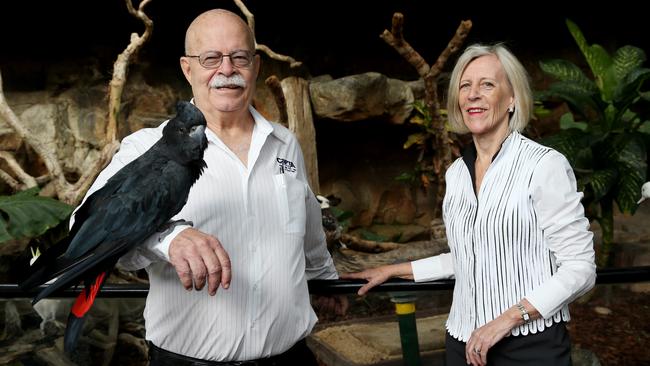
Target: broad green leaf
{"type": "Point", "coordinates": [597, 58]}
{"type": "Point", "coordinates": [602, 181]}
{"type": "Point", "coordinates": [629, 116]}
{"type": "Point", "coordinates": [567, 122]}
{"type": "Point", "coordinates": [645, 127]}
{"type": "Point", "coordinates": [422, 109]}
{"type": "Point", "coordinates": [417, 120]}
{"type": "Point", "coordinates": [566, 71]}
{"type": "Point", "coordinates": [415, 139]}
{"type": "Point", "coordinates": [26, 214]}
{"type": "Point", "coordinates": [611, 117]}
{"type": "Point", "coordinates": [629, 188]}
{"type": "Point", "coordinates": [632, 166]}
{"type": "Point", "coordinates": [568, 142]}
{"type": "Point", "coordinates": [608, 84]}
{"type": "Point", "coordinates": [576, 98]}
{"type": "Point", "coordinates": [628, 89]}
{"type": "Point", "coordinates": [539, 110]}
{"type": "Point", "coordinates": [626, 59]}
{"type": "Point", "coordinates": [645, 96]}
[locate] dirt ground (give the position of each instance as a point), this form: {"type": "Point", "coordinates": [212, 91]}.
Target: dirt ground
{"type": "Point", "coordinates": [621, 337]}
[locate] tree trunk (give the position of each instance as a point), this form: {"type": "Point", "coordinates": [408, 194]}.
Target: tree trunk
{"type": "Point", "coordinates": [301, 123]}
{"type": "Point", "coordinates": [606, 222]}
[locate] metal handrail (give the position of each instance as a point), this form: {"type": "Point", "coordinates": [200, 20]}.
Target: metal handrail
{"type": "Point", "coordinates": [604, 276]}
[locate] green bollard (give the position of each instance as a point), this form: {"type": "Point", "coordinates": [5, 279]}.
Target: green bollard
{"type": "Point", "coordinates": [405, 310]}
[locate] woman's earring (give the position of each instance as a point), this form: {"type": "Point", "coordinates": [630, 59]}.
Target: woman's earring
{"type": "Point", "coordinates": [511, 109]}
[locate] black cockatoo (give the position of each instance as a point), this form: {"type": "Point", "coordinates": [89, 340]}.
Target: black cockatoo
{"type": "Point", "coordinates": [137, 201]}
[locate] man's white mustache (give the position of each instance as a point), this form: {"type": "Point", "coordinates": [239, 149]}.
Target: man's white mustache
{"type": "Point", "coordinates": [219, 81]}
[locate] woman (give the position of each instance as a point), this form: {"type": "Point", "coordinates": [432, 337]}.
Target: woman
{"type": "Point", "coordinates": [521, 248]}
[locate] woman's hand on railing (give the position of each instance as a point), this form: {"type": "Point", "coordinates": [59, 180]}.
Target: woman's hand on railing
{"type": "Point", "coordinates": [378, 275]}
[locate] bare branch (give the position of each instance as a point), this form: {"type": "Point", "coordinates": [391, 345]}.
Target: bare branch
{"type": "Point", "coordinates": [250, 19]}
{"type": "Point", "coordinates": [121, 67]}
{"type": "Point", "coordinates": [44, 150]}
{"type": "Point", "coordinates": [398, 26]}
{"type": "Point", "coordinates": [276, 56]}
{"type": "Point", "coordinates": [75, 193]}
{"type": "Point", "coordinates": [10, 117]}
{"type": "Point", "coordinates": [368, 246]}
{"type": "Point", "coordinates": [278, 95]}
{"type": "Point", "coordinates": [14, 184]}
{"type": "Point", "coordinates": [441, 141]}
{"type": "Point", "coordinates": [452, 47]}
{"type": "Point", "coordinates": [40, 180]}
{"type": "Point", "coordinates": [27, 181]}
{"type": "Point", "coordinates": [396, 40]}
{"type": "Point", "coordinates": [47, 150]}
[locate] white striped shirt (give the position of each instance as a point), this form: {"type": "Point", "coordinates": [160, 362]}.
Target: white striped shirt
{"type": "Point", "coordinates": [525, 236]}
{"type": "Point", "coordinates": [268, 221]}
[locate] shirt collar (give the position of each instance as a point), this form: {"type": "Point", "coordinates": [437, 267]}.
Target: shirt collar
{"type": "Point", "coordinates": [262, 127]}
{"type": "Point", "coordinates": [265, 127]}
{"type": "Point", "coordinates": [469, 155]}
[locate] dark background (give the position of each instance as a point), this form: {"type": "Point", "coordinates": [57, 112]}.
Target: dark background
{"type": "Point", "coordinates": [334, 37]}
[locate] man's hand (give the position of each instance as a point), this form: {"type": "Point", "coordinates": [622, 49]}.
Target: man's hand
{"type": "Point", "coordinates": [197, 256]}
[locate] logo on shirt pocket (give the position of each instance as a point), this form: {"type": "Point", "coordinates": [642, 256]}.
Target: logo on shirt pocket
{"type": "Point", "coordinates": [286, 166]}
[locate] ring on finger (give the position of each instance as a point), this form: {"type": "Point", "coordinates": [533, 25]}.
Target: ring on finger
{"type": "Point", "coordinates": [477, 351]}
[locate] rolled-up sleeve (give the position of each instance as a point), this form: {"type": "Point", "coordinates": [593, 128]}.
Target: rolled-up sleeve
{"type": "Point", "coordinates": [566, 233]}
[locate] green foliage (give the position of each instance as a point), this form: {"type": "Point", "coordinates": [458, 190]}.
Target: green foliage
{"type": "Point", "coordinates": [605, 136]}
{"type": "Point", "coordinates": [423, 140]}
{"type": "Point", "coordinates": [370, 235]}
{"type": "Point", "coordinates": [342, 216]}
{"type": "Point", "coordinates": [26, 214]}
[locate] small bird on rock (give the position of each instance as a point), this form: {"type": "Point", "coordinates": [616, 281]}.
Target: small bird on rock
{"type": "Point", "coordinates": [331, 224]}
{"type": "Point", "coordinates": [645, 192]}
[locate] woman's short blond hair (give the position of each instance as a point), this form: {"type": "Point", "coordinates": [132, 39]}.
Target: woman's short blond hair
{"type": "Point", "coordinates": [517, 78]}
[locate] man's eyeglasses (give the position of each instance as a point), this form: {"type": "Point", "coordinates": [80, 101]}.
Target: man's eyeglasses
{"type": "Point", "coordinates": [213, 59]}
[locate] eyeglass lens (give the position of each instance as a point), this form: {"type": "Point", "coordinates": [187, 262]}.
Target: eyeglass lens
{"type": "Point", "coordinates": [213, 59]}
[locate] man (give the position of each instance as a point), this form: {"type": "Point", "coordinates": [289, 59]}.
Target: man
{"type": "Point", "coordinates": [251, 223]}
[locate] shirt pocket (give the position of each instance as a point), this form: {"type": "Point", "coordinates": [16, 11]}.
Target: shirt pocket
{"type": "Point", "coordinates": [290, 193]}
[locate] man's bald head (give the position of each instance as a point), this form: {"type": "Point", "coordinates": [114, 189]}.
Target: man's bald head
{"type": "Point", "coordinates": [213, 18]}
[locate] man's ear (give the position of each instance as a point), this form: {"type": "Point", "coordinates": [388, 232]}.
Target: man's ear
{"type": "Point", "coordinates": [185, 66]}
{"type": "Point", "coordinates": [258, 62]}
